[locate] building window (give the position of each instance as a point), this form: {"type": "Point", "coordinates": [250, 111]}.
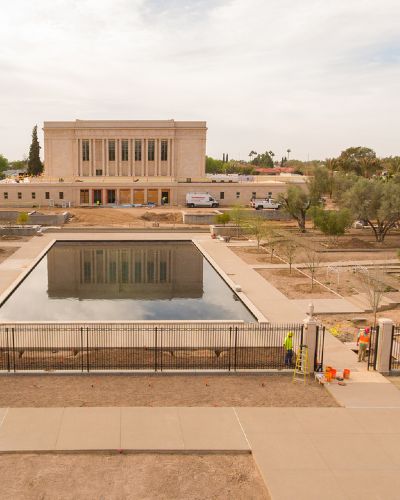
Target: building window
{"type": "Point", "coordinates": [138, 150]}
{"type": "Point", "coordinates": [164, 150]}
{"type": "Point", "coordinates": [33, 196]}
{"type": "Point", "coordinates": [254, 194]}
{"type": "Point", "coordinates": [222, 195]}
{"type": "Point", "coordinates": [270, 194]}
{"type": "Point", "coordinates": [237, 194]}
{"type": "Point", "coordinates": [99, 171]}
{"type": "Point", "coordinates": [20, 196]}
{"type": "Point", "coordinates": [61, 195]}
{"type": "Point", "coordinates": [47, 195]}
{"type": "Point", "coordinates": [111, 150]}
{"type": "Point", "coordinates": [84, 198]}
{"type": "Point", "coordinates": [5, 196]}
{"type": "Point", "coordinates": [124, 151]}
{"type": "Point", "coordinates": [111, 198]}
{"type": "Point", "coordinates": [85, 150]}
{"type": "Point", "coordinates": [150, 150]}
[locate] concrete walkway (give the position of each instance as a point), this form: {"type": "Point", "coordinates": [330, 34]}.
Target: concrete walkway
{"type": "Point", "coordinates": [302, 453]}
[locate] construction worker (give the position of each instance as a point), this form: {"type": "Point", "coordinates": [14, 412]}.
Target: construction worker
{"type": "Point", "coordinates": [363, 342]}
{"type": "Point", "coordinates": [288, 345]}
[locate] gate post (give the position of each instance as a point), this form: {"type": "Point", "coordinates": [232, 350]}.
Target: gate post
{"type": "Point", "coordinates": [310, 340]}
{"type": "Point", "coordinates": [384, 345]}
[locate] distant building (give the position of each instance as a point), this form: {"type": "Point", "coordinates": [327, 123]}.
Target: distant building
{"type": "Point", "coordinates": [94, 162]}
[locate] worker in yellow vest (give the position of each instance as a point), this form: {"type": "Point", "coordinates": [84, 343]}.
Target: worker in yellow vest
{"type": "Point", "coordinates": [288, 345]}
{"type": "Point", "coordinates": [363, 342]}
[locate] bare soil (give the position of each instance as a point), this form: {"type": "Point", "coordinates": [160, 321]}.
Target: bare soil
{"type": "Point", "coordinates": [159, 390]}
{"type": "Point", "coordinates": [252, 255]}
{"type": "Point", "coordinates": [295, 285]}
{"type": "Point", "coordinates": [5, 252]}
{"type": "Point", "coordinates": [129, 476]}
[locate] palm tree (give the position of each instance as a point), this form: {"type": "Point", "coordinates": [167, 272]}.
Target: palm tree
{"type": "Point", "coordinates": [251, 154]}
{"type": "Point", "coordinates": [271, 154]}
{"type": "Point", "coordinates": [288, 153]}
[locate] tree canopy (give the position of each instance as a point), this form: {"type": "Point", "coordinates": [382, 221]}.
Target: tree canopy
{"type": "Point", "coordinates": [35, 165]}
{"type": "Point", "coordinates": [3, 163]}
{"type": "Point", "coordinates": [359, 160]}
{"type": "Point", "coordinates": [376, 202]}
{"type": "Point", "coordinates": [263, 160]}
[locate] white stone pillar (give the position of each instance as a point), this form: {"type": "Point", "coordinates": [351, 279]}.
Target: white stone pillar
{"type": "Point", "coordinates": [173, 169]}
{"type": "Point", "coordinates": [310, 340]}
{"type": "Point", "coordinates": [106, 157]}
{"type": "Point", "coordinates": [144, 158]}
{"type": "Point", "coordinates": [131, 152]}
{"type": "Point", "coordinates": [79, 157]}
{"type": "Point", "coordinates": [158, 143]}
{"type": "Point", "coordinates": [94, 156]}
{"type": "Point", "coordinates": [169, 149]}
{"type": "Point", "coordinates": [117, 156]}
{"type": "Point", "coordinates": [384, 345]}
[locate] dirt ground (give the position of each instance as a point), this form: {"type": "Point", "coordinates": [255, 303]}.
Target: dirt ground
{"type": "Point", "coordinates": [395, 381]}
{"type": "Point", "coordinates": [5, 252]}
{"type": "Point", "coordinates": [108, 476]}
{"type": "Point", "coordinates": [161, 390]}
{"type": "Point", "coordinates": [255, 256]}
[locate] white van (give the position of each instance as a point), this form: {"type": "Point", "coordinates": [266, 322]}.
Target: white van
{"type": "Point", "coordinates": [201, 200]}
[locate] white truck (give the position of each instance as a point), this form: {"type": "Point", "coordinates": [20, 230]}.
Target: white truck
{"type": "Point", "coordinates": [201, 200]}
{"type": "Point", "coordinates": [260, 203]}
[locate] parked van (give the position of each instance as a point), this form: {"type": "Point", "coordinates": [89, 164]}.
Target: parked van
{"type": "Point", "coordinates": [260, 203]}
{"type": "Point", "coordinates": [201, 200]}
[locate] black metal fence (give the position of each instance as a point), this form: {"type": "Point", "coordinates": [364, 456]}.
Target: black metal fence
{"type": "Point", "coordinates": [394, 362]}
{"type": "Point", "coordinates": [156, 347]}
{"type": "Point", "coordinates": [373, 347]}
{"type": "Point", "coordinates": [319, 350]}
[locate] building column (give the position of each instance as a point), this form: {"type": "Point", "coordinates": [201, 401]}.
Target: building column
{"type": "Point", "coordinates": [173, 168]}
{"type": "Point", "coordinates": [78, 142]}
{"type": "Point", "coordinates": [131, 152]}
{"type": "Point", "coordinates": [103, 156]}
{"type": "Point", "coordinates": [169, 150]}
{"type": "Point", "coordinates": [117, 172]}
{"type": "Point", "coordinates": [158, 157]}
{"type": "Point", "coordinates": [144, 157]}
{"type": "Point", "coordinates": [94, 156]}
{"type": "Point", "coordinates": [384, 345]}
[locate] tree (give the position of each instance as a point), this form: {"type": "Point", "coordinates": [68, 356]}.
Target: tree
{"type": "Point", "coordinates": [271, 239]}
{"type": "Point", "coordinates": [376, 202]}
{"type": "Point", "coordinates": [223, 218]}
{"type": "Point", "coordinates": [359, 160]}
{"type": "Point", "coordinates": [296, 203]}
{"type": "Point", "coordinates": [22, 218]}
{"type": "Point", "coordinates": [288, 151]}
{"type": "Point", "coordinates": [319, 183]}
{"type": "Point", "coordinates": [35, 165]}
{"type": "Point", "coordinates": [263, 160]}
{"type": "Point", "coordinates": [313, 263]}
{"type": "Point", "coordinates": [332, 222]}
{"type": "Point", "coordinates": [3, 163]}
{"type": "Point", "coordinates": [373, 283]}
{"type": "Point", "coordinates": [288, 249]}
{"type": "Point", "coordinates": [256, 227]}
{"type": "Point", "coordinates": [239, 217]}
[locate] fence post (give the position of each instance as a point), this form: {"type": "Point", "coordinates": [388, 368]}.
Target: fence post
{"type": "Point", "coordinates": [310, 340]}
{"type": "Point", "coordinates": [384, 345]}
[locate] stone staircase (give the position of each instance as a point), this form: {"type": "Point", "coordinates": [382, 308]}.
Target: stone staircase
{"type": "Point", "coordinates": [361, 300]}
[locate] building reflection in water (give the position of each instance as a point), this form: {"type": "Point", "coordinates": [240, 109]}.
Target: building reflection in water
{"type": "Point", "coordinates": [123, 270]}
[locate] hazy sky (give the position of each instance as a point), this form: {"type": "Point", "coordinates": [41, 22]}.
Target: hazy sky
{"type": "Point", "coordinates": [315, 76]}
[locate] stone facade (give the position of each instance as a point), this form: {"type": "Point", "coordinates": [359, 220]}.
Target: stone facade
{"type": "Point", "coordinates": [123, 149]}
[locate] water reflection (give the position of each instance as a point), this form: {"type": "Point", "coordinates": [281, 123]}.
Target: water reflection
{"type": "Point", "coordinates": [123, 281]}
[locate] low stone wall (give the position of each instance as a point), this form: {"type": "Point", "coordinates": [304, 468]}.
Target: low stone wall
{"type": "Point", "coordinates": [199, 219]}
{"type": "Point", "coordinates": [272, 214]}
{"type": "Point", "coordinates": [228, 230]}
{"type": "Point", "coordinates": [9, 215]}
{"type": "Point", "coordinates": [48, 219]}
{"type": "Point", "coordinates": [23, 230]}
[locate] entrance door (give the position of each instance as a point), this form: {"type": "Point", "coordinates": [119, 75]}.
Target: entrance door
{"type": "Point", "coordinates": [111, 196]}
{"type": "Point", "coordinates": [125, 196]}
{"type": "Point", "coordinates": [138, 196]}
{"type": "Point", "coordinates": [97, 197]}
{"type": "Point", "coordinates": [152, 196]}
{"type": "Point", "coordinates": [165, 197]}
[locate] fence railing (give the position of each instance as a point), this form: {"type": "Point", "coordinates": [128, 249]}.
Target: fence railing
{"type": "Point", "coordinates": [131, 346]}
{"type": "Point", "coordinates": [394, 360]}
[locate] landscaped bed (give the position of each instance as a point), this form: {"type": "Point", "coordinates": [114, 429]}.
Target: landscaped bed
{"type": "Point", "coordinates": [160, 390]}
{"type": "Point", "coordinates": [116, 477]}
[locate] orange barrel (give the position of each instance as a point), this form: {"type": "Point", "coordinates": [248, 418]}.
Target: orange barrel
{"type": "Point", "coordinates": [328, 376]}
{"type": "Point", "coordinates": [333, 373]}
{"type": "Point", "coordinates": [346, 373]}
